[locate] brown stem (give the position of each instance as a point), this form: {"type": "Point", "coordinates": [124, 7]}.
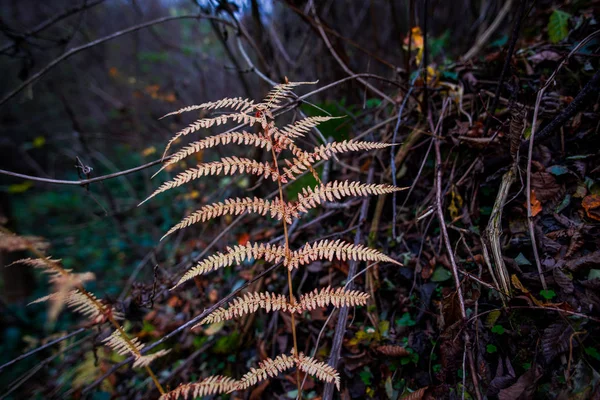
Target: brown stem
{"type": "Point", "coordinates": [287, 256]}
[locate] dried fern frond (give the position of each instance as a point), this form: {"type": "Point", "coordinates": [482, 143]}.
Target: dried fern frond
{"type": "Point", "coordinates": [245, 138]}
{"type": "Point", "coordinates": [327, 250]}
{"type": "Point", "coordinates": [124, 346]}
{"type": "Point", "coordinates": [248, 304]}
{"type": "Point", "coordinates": [212, 385]}
{"type": "Point", "coordinates": [310, 198]}
{"type": "Point", "coordinates": [280, 92]}
{"type": "Point", "coordinates": [11, 242]}
{"type": "Point", "coordinates": [88, 305]}
{"type": "Point", "coordinates": [318, 369]}
{"type": "Point", "coordinates": [236, 103]}
{"type": "Point", "coordinates": [268, 368]}
{"type": "Point", "coordinates": [324, 152]}
{"type": "Point", "coordinates": [237, 206]}
{"type": "Point", "coordinates": [144, 361]}
{"type": "Point", "coordinates": [205, 123]}
{"type": "Point", "coordinates": [236, 254]}
{"type": "Point", "coordinates": [226, 166]}
{"type": "Point", "coordinates": [324, 297]}
{"type": "Point", "coordinates": [302, 126]}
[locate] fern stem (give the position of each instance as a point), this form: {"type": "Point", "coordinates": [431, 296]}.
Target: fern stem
{"type": "Point", "coordinates": [100, 308]}
{"type": "Point", "coordinates": [287, 256]}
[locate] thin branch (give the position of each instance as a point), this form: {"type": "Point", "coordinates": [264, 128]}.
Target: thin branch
{"type": "Point", "coordinates": [50, 21]}
{"type": "Point", "coordinates": [82, 182]}
{"type": "Point", "coordinates": [45, 346]}
{"type": "Point", "coordinates": [341, 62]}
{"type": "Point", "coordinates": [482, 39]}
{"type": "Point", "coordinates": [96, 42]}
{"type": "Point", "coordinates": [450, 251]}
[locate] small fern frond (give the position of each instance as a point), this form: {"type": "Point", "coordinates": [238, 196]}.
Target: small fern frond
{"type": "Point", "coordinates": [248, 304]}
{"type": "Point", "coordinates": [235, 103]}
{"type": "Point", "coordinates": [302, 126]}
{"type": "Point", "coordinates": [212, 385]}
{"type": "Point", "coordinates": [122, 346]}
{"type": "Point", "coordinates": [324, 297]}
{"type": "Point", "coordinates": [237, 206]}
{"type": "Point", "coordinates": [324, 152]}
{"type": "Point", "coordinates": [245, 138]}
{"type": "Point", "coordinates": [327, 250]}
{"type": "Point", "coordinates": [145, 361]}
{"type": "Point", "coordinates": [235, 254]}
{"type": "Point", "coordinates": [318, 369]}
{"type": "Point", "coordinates": [11, 242]}
{"type": "Point", "coordinates": [226, 166]}
{"type": "Point", "coordinates": [280, 92]}
{"type": "Point", "coordinates": [205, 123]}
{"type": "Point", "coordinates": [310, 198]}
{"type": "Point", "coordinates": [88, 305]}
{"type": "Point", "coordinates": [268, 368]}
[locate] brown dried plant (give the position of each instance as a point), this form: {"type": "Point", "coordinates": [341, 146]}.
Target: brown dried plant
{"type": "Point", "coordinates": [276, 140]}
{"type": "Point", "coordinates": [69, 291]}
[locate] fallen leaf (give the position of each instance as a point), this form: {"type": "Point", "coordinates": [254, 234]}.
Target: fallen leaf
{"type": "Point", "coordinates": [591, 205]}
{"type": "Point", "coordinates": [536, 205]}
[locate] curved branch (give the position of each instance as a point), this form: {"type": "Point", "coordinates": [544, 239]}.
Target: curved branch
{"type": "Point", "coordinates": [93, 43]}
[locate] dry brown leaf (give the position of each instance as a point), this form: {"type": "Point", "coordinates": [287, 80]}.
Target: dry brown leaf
{"type": "Point", "coordinates": [393, 350]}
{"type": "Point", "coordinates": [591, 205]}
{"type": "Point", "coordinates": [418, 394]}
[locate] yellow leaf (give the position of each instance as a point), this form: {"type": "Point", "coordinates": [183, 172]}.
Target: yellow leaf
{"type": "Point", "coordinates": [39, 142]}
{"type": "Point", "coordinates": [20, 187]}
{"type": "Point", "coordinates": [455, 204]}
{"type": "Point", "coordinates": [149, 151]}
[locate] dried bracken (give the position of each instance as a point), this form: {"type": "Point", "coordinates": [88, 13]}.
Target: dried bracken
{"type": "Point", "coordinates": [123, 346]}
{"type": "Point", "coordinates": [268, 368]}
{"type": "Point", "coordinates": [145, 361]}
{"type": "Point", "coordinates": [248, 304]}
{"type": "Point", "coordinates": [227, 166]}
{"type": "Point", "coordinates": [10, 242]}
{"type": "Point", "coordinates": [275, 140]}
{"type": "Point", "coordinates": [242, 138]}
{"type": "Point", "coordinates": [324, 297]}
{"type": "Point", "coordinates": [318, 369]}
{"type": "Point", "coordinates": [327, 250]}
{"type": "Point", "coordinates": [240, 118]}
{"type": "Point", "coordinates": [237, 206]}
{"type": "Point", "coordinates": [236, 103]}
{"type": "Point", "coordinates": [236, 254]}
{"type": "Point", "coordinates": [324, 152]}
{"type": "Point", "coordinates": [319, 298]}
{"type": "Point", "coordinates": [311, 198]}
{"type": "Point", "coordinates": [209, 386]}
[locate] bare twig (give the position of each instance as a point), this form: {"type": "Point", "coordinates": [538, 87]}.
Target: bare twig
{"type": "Point", "coordinates": [49, 22]}
{"type": "Point", "coordinates": [45, 346]}
{"type": "Point", "coordinates": [450, 251]}
{"type": "Point", "coordinates": [96, 42]}
{"type": "Point", "coordinates": [482, 39]}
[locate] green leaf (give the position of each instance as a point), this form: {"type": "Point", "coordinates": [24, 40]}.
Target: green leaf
{"type": "Point", "coordinates": [592, 352]}
{"type": "Point", "coordinates": [522, 260]}
{"type": "Point", "coordinates": [558, 26]}
{"type": "Point", "coordinates": [441, 274]}
{"type": "Point", "coordinates": [405, 320]}
{"type": "Point", "coordinates": [548, 294]}
{"type": "Point", "coordinates": [490, 348]}
{"type": "Point", "coordinates": [366, 376]}
{"type": "Point", "coordinates": [20, 187]}
{"type": "Point", "coordinates": [499, 329]}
